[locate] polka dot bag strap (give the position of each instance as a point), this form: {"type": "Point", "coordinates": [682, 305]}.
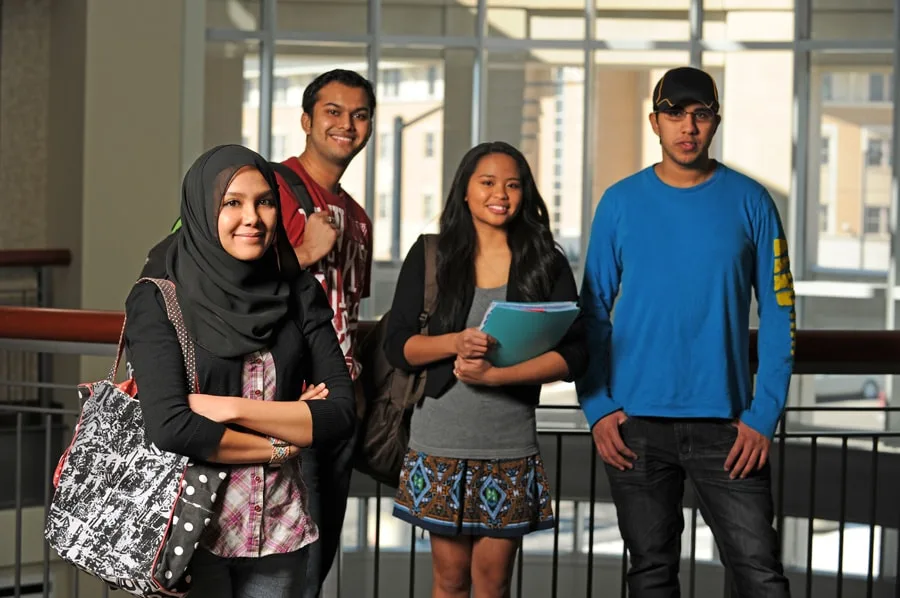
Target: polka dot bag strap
{"type": "Point", "coordinates": [173, 310]}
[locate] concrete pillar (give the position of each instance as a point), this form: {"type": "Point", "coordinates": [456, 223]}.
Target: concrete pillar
{"type": "Point", "coordinates": [457, 114]}
{"type": "Point", "coordinates": [115, 158]}
{"type": "Point", "coordinates": [224, 93]}
{"type": "Point", "coordinates": [509, 75]}
{"type": "Point", "coordinates": [25, 64]}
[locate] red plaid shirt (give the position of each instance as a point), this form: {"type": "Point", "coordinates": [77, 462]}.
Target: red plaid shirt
{"type": "Point", "coordinates": [262, 510]}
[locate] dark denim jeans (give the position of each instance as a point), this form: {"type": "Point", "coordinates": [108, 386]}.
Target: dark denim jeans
{"type": "Point", "coordinates": [648, 502]}
{"type": "Point", "coordinates": [274, 576]}
{"type": "Point", "coordinates": [326, 472]}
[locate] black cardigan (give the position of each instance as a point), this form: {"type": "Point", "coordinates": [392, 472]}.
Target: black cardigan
{"type": "Point", "coordinates": [309, 354]}
{"type": "Point", "coordinates": [408, 304]}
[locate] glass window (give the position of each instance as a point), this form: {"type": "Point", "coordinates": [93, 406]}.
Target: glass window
{"type": "Point", "coordinates": [242, 15]}
{"type": "Point", "coordinates": [845, 86]}
{"type": "Point", "coordinates": [876, 87]}
{"type": "Point", "coordinates": [251, 91]}
{"type": "Point", "coordinates": [653, 21]}
{"type": "Point", "coordinates": [827, 87]}
{"type": "Point", "coordinates": [384, 202]}
{"type": "Point", "coordinates": [231, 102]}
{"type": "Point", "coordinates": [384, 145]}
{"type": "Point", "coordinates": [279, 148]}
{"type": "Point", "coordinates": [424, 136]}
{"type": "Point", "coordinates": [846, 20]}
{"type": "Point", "coordinates": [874, 220]}
{"type": "Point", "coordinates": [531, 19]}
{"type": "Point", "coordinates": [432, 76]}
{"type": "Point", "coordinates": [874, 152]}
{"type": "Point", "coordinates": [431, 18]}
{"type": "Point", "coordinates": [390, 82]}
{"type": "Point", "coordinates": [769, 23]}
{"type": "Point", "coordinates": [849, 249]}
{"type": "Point", "coordinates": [853, 133]}
{"type": "Point", "coordinates": [428, 205]}
{"type": "Point", "coordinates": [280, 90]}
{"type": "Point", "coordinates": [321, 17]}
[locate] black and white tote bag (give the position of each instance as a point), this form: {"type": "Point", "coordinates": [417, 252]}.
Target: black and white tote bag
{"type": "Point", "coordinates": [123, 510]}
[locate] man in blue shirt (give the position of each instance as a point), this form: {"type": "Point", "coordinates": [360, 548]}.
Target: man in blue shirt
{"type": "Point", "coordinates": [669, 393]}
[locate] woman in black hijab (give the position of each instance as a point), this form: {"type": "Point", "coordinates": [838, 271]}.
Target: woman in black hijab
{"type": "Point", "coordinates": [261, 328]}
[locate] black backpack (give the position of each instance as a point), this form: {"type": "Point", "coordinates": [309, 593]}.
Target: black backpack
{"type": "Point", "coordinates": [391, 394]}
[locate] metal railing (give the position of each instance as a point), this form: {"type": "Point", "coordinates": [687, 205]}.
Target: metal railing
{"type": "Point", "coordinates": [26, 280]}
{"type": "Point", "coordinates": [839, 484]}
{"type": "Point", "coordinates": [866, 478]}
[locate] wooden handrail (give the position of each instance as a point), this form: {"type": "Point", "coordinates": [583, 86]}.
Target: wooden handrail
{"type": "Point", "coordinates": [71, 325]}
{"type": "Point", "coordinates": [63, 325]}
{"type": "Point", "coordinates": [818, 351]}
{"type": "Point", "coordinates": [34, 258]}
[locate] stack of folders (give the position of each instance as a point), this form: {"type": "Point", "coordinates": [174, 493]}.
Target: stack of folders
{"type": "Point", "coordinates": [525, 330]}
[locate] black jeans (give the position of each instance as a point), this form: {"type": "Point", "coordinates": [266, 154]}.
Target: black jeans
{"type": "Point", "coordinates": [326, 473]}
{"type": "Point", "coordinates": [648, 502]}
{"type": "Point", "coordinates": [274, 576]}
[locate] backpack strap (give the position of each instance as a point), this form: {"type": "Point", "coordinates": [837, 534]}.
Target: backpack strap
{"type": "Point", "coordinates": [173, 311]}
{"type": "Point", "coordinates": [297, 186]}
{"type": "Point", "coordinates": [430, 296]}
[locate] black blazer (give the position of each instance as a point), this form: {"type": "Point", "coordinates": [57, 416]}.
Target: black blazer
{"type": "Point", "coordinates": [409, 303]}
{"type": "Point", "coordinates": [304, 350]}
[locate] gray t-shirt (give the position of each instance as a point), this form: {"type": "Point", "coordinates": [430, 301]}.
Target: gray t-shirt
{"type": "Point", "coordinates": [475, 422]}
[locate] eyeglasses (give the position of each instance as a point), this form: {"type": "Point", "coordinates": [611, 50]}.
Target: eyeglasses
{"type": "Point", "coordinates": [703, 115]}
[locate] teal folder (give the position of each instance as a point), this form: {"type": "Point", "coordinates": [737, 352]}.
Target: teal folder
{"type": "Point", "coordinates": [526, 330]}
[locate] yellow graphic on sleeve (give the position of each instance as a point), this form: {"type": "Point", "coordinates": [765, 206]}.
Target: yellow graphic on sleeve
{"type": "Point", "coordinates": [782, 264]}
{"type": "Point", "coordinates": [783, 281]}
{"type": "Point", "coordinates": [783, 284]}
{"type": "Point", "coordinates": [780, 249]}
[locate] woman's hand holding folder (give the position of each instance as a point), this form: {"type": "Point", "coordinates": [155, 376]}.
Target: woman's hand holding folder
{"type": "Point", "coordinates": [472, 343]}
{"type": "Point", "coordinates": [475, 371]}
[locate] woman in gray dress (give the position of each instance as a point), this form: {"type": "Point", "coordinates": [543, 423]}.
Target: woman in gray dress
{"type": "Point", "coordinates": [473, 475]}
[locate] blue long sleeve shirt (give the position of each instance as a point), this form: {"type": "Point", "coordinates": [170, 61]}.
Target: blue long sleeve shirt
{"type": "Point", "coordinates": [680, 264]}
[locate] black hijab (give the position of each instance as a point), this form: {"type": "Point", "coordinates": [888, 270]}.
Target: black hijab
{"type": "Point", "coordinates": [231, 307]}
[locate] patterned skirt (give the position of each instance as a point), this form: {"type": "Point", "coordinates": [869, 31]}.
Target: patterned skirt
{"type": "Point", "coordinates": [500, 498]}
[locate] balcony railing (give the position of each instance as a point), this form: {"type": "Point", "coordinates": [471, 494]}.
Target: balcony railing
{"type": "Point", "coordinates": [26, 280]}
{"type": "Point", "coordinates": [837, 491]}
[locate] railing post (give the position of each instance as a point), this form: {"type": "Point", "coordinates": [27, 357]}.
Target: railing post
{"type": "Point", "coordinates": [45, 360]}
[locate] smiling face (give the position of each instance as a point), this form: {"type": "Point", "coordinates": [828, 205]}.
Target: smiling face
{"type": "Point", "coordinates": [494, 192]}
{"type": "Point", "coordinates": [340, 124]}
{"type": "Point", "coordinates": [248, 216]}
{"type": "Point", "coordinates": [685, 133]}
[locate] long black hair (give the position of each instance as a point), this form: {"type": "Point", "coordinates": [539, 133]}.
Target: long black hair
{"type": "Point", "coordinates": [528, 235]}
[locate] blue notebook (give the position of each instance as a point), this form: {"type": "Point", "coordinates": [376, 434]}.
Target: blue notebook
{"type": "Point", "coordinates": [526, 330]}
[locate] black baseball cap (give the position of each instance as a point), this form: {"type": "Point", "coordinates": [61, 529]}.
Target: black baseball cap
{"type": "Point", "coordinates": [685, 85]}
